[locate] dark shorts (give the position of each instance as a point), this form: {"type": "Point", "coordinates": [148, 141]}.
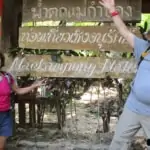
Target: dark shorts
{"type": "Point", "coordinates": [6, 124]}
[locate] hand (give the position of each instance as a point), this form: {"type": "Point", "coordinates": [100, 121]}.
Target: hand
{"type": "Point", "coordinates": [39, 83]}
{"type": "Point", "coordinates": [108, 4]}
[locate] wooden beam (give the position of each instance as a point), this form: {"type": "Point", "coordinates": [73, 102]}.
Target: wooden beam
{"type": "Point", "coordinates": [78, 10]}
{"type": "Point", "coordinates": [145, 6]}
{"type": "Point", "coordinates": [11, 18]}
{"type": "Point", "coordinates": [7, 20]}
{"type": "Point", "coordinates": [71, 67]}
{"type": "Point", "coordinates": [105, 38]}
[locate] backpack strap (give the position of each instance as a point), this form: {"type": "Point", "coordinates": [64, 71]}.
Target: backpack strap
{"type": "Point", "coordinates": [8, 78]}
{"type": "Point", "coordinates": [144, 54]}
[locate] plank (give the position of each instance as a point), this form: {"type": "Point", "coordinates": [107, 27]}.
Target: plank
{"type": "Point", "coordinates": [104, 38]}
{"type": "Point", "coordinates": [71, 67]}
{"type": "Point", "coordinates": [78, 10]}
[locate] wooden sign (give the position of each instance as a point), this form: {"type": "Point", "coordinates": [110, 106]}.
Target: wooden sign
{"type": "Point", "coordinates": [71, 67]}
{"type": "Point", "coordinates": [104, 38]}
{"type": "Point", "coordinates": [78, 10]}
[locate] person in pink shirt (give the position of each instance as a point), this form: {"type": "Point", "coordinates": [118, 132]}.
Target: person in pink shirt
{"type": "Point", "coordinates": [6, 87]}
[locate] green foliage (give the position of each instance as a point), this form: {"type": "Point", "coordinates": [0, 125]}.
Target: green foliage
{"type": "Point", "coordinates": [126, 88]}
{"type": "Point", "coordinates": [85, 24]}
{"type": "Point", "coordinates": [145, 19]}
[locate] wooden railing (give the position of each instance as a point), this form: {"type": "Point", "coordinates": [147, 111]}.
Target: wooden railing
{"type": "Point", "coordinates": [35, 115]}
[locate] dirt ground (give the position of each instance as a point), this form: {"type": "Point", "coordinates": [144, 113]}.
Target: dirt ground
{"type": "Point", "coordinates": [83, 130]}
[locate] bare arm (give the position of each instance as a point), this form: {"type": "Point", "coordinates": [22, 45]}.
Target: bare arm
{"type": "Point", "coordinates": [124, 31]}
{"type": "Point", "coordinates": [122, 28]}
{"type": "Point", "coordinates": [25, 90]}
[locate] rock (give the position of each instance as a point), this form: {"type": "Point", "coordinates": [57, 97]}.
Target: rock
{"type": "Point", "coordinates": [90, 147]}
{"type": "Point", "coordinates": [42, 144]}
{"type": "Point", "coordinates": [26, 143]}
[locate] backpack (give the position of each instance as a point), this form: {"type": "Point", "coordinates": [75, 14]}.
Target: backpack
{"type": "Point", "coordinates": [12, 95]}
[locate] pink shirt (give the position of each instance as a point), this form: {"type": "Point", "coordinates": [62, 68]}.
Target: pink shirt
{"type": "Point", "coordinates": [5, 91]}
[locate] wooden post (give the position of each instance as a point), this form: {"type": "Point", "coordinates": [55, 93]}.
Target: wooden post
{"type": "Point", "coordinates": [22, 113]}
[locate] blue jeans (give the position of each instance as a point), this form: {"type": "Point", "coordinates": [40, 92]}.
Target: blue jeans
{"type": "Point", "coordinates": [6, 124]}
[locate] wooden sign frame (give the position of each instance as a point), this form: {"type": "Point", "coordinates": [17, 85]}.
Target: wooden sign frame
{"type": "Point", "coordinates": [104, 38]}
{"type": "Point", "coordinates": [71, 67]}
{"type": "Point", "coordinates": [79, 10]}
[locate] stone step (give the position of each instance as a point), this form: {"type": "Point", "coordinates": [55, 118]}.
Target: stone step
{"type": "Point", "coordinates": [27, 145]}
